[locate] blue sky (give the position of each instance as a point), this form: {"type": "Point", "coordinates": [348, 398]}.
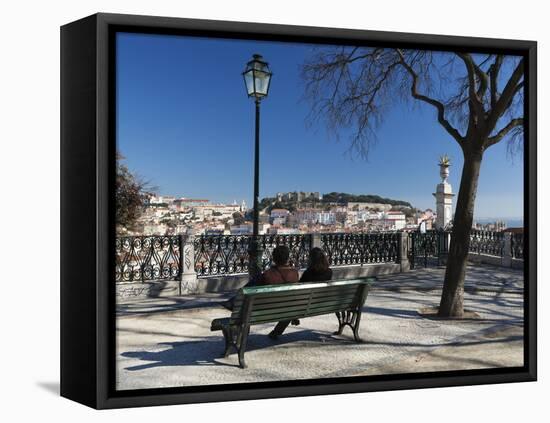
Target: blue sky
{"type": "Point", "coordinates": [184, 123]}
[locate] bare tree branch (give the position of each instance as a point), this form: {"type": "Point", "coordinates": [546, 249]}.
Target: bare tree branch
{"type": "Point", "coordinates": [494, 72]}
{"type": "Point", "coordinates": [512, 87]}
{"type": "Point", "coordinates": [514, 123]}
{"type": "Point", "coordinates": [353, 87]}
{"type": "Point", "coordinates": [437, 104]}
{"type": "Point", "coordinates": [476, 96]}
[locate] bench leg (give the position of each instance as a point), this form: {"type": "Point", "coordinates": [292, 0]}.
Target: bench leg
{"type": "Point", "coordinates": [341, 323]}
{"type": "Point", "coordinates": [230, 335]}
{"type": "Point", "coordinates": [351, 319]}
{"type": "Point", "coordinates": [355, 326]}
{"type": "Point", "coordinates": [242, 345]}
{"type": "Point", "coordinates": [228, 341]}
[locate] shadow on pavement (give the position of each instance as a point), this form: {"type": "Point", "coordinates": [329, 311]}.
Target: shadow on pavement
{"type": "Point", "coordinates": [209, 351]}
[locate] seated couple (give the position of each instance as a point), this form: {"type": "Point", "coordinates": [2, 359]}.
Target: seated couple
{"type": "Point", "coordinates": [281, 272]}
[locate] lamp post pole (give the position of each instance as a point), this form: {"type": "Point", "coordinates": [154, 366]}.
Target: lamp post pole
{"type": "Point", "coordinates": [256, 252]}
{"type": "Point", "coordinates": [257, 171]}
{"type": "Point", "coordinates": [257, 77]}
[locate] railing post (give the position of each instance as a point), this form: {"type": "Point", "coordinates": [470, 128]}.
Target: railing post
{"type": "Point", "coordinates": [403, 254]}
{"type": "Point", "coordinates": [507, 250]}
{"type": "Point", "coordinates": [443, 247]}
{"type": "Point", "coordinates": [316, 241]}
{"type": "Point", "coordinates": [188, 276]}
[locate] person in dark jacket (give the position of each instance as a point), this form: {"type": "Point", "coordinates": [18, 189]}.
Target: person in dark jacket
{"type": "Point", "coordinates": [317, 271]}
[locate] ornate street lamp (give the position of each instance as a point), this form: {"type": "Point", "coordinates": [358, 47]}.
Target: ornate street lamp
{"type": "Point", "coordinates": [257, 77]}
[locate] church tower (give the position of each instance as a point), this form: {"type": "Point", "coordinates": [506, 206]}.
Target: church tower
{"type": "Point", "coordinates": [444, 195]}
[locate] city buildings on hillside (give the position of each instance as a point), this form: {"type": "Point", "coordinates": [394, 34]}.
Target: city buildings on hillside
{"type": "Point", "coordinates": [162, 215]}
{"type": "Point", "coordinates": [171, 215]}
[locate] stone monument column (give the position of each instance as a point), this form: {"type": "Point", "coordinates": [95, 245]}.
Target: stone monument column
{"type": "Point", "coordinates": [189, 284]}
{"type": "Point", "coordinates": [443, 195]}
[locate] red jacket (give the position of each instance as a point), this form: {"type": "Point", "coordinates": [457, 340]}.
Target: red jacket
{"type": "Point", "coordinates": [279, 275]}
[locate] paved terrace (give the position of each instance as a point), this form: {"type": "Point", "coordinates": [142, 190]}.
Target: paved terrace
{"type": "Point", "coordinates": [167, 341]}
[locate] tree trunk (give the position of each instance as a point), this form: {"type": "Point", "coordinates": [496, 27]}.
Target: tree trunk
{"type": "Point", "coordinates": [452, 297]}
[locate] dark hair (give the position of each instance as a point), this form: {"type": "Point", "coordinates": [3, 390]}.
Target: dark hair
{"type": "Point", "coordinates": [280, 255]}
{"type": "Point", "coordinates": [318, 261]}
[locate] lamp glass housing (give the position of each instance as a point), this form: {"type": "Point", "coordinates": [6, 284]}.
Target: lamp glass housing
{"type": "Point", "coordinates": [257, 77]}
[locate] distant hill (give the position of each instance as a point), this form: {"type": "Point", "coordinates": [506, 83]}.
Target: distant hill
{"type": "Point", "coordinates": [344, 198]}
{"type": "Point", "coordinates": [269, 203]}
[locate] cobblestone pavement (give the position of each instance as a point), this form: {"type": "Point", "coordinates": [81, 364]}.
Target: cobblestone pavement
{"type": "Point", "coordinates": [176, 348]}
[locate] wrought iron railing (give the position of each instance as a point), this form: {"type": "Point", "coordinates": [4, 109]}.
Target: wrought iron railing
{"type": "Point", "coordinates": [432, 245]}
{"type": "Point", "coordinates": [487, 242]}
{"type": "Point", "coordinates": [142, 258]}
{"type": "Point", "coordinates": [428, 247]}
{"type": "Point", "coordinates": [349, 249]}
{"type": "Point", "coordinates": [517, 246]}
{"type": "Point", "coordinates": [228, 254]}
{"type": "Point", "coordinates": [145, 258]}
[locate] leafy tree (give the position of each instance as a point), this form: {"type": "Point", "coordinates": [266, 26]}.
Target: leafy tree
{"type": "Point", "coordinates": [344, 198]}
{"type": "Point", "coordinates": [270, 203]}
{"type": "Point", "coordinates": [238, 218]}
{"type": "Point", "coordinates": [477, 99]}
{"type": "Point", "coordinates": [130, 196]}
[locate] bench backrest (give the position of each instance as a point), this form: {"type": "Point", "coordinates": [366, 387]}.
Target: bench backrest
{"type": "Point", "coordinates": [273, 303]}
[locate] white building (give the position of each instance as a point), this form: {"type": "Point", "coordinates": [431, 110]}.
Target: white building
{"type": "Point", "coordinates": [314, 216]}
{"type": "Point", "coordinates": [246, 229]}
{"type": "Point", "coordinates": [275, 213]}
{"type": "Point", "coordinates": [396, 220]}
{"type": "Point", "coordinates": [326, 218]}
{"type": "Point", "coordinates": [282, 231]}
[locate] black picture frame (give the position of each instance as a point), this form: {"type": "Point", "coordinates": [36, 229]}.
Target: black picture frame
{"type": "Point", "coordinates": [87, 211]}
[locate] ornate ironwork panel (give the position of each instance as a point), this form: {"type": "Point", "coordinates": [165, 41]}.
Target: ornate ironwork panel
{"type": "Point", "coordinates": [221, 254]}
{"type": "Point", "coordinates": [228, 254]}
{"type": "Point", "coordinates": [299, 246]}
{"type": "Point", "coordinates": [517, 246]}
{"type": "Point", "coordinates": [487, 242]}
{"type": "Point", "coordinates": [146, 258]}
{"type": "Point", "coordinates": [348, 249]}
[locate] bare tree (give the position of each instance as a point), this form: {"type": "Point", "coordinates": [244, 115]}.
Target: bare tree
{"type": "Point", "coordinates": [130, 194]}
{"type": "Point", "coordinates": [477, 99]}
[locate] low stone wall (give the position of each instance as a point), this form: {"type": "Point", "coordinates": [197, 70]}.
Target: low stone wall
{"type": "Point", "coordinates": [131, 291]}
{"type": "Point", "coordinates": [486, 259]}
{"type": "Point", "coordinates": [506, 261]}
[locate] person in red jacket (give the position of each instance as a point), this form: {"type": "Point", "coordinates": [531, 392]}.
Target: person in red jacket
{"type": "Point", "coordinates": [281, 271]}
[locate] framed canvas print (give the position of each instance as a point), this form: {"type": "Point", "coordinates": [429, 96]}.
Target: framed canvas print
{"type": "Point", "coordinates": [257, 211]}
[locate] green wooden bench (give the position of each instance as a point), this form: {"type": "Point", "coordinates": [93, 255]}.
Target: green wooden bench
{"type": "Point", "coordinates": [273, 303]}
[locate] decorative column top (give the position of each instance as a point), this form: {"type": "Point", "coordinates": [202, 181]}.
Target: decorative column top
{"type": "Point", "coordinates": [444, 164]}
